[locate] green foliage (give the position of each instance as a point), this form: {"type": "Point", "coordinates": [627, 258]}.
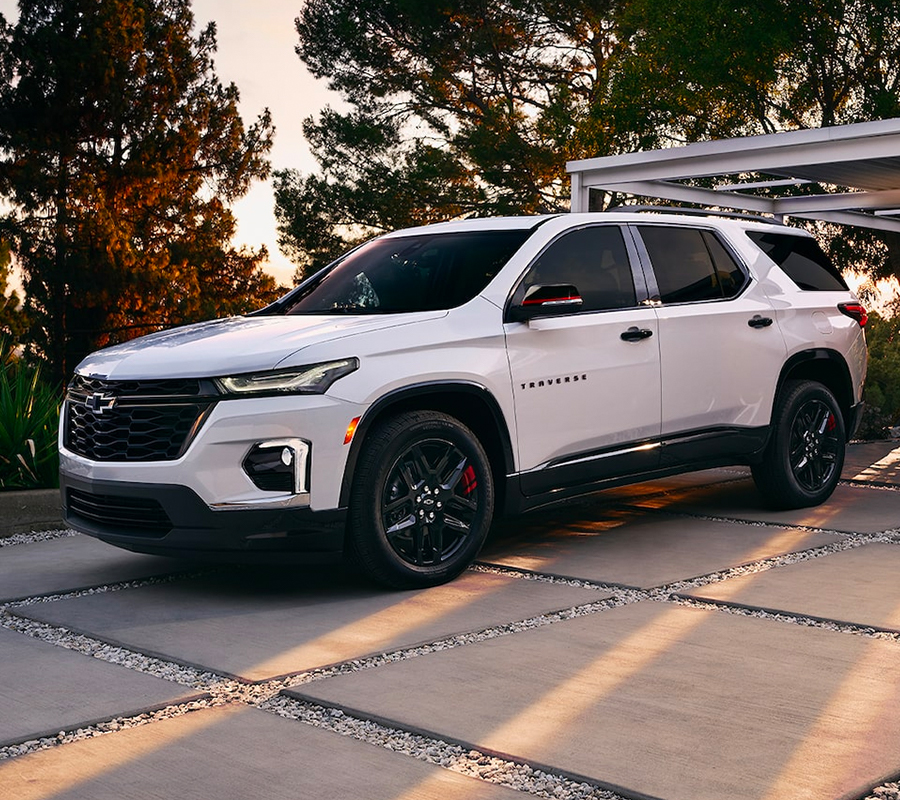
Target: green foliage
{"type": "Point", "coordinates": [882, 390]}
{"type": "Point", "coordinates": [121, 152]}
{"type": "Point", "coordinates": [29, 419]}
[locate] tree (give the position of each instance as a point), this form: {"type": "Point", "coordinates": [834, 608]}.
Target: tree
{"type": "Point", "coordinates": [120, 151]}
{"type": "Point", "coordinates": [456, 108]}
{"type": "Point", "coordinates": [761, 68]}
{"type": "Point", "coordinates": [501, 94]}
{"type": "Point", "coordinates": [12, 319]}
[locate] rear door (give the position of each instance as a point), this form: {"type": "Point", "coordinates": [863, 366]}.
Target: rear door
{"type": "Point", "coordinates": [720, 349]}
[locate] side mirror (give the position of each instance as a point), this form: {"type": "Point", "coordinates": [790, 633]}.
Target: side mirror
{"type": "Point", "coordinates": [546, 301]}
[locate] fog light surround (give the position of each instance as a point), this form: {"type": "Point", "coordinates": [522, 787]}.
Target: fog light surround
{"type": "Point", "coordinates": [279, 465]}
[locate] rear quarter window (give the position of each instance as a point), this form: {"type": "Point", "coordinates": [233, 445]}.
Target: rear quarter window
{"type": "Point", "coordinates": [802, 260]}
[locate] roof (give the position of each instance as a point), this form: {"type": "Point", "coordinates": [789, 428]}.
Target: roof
{"type": "Point", "coordinates": [852, 170]}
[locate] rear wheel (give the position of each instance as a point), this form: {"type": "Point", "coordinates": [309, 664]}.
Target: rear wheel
{"type": "Point", "coordinates": [803, 461]}
{"type": "Point", "coordinates": [422, 500]}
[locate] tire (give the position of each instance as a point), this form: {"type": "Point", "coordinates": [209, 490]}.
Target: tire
{"type": "Point", "coordinates": [422, 501]}
{"type": "Point", "coordinates": [803, 461]}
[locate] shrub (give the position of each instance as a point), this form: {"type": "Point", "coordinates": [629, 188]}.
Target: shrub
{"type": "Point", "coordinates": [29, 419]}
{"type": "Point", "coordinates": [882, 391]}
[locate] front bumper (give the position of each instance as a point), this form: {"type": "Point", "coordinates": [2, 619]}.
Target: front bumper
{"type": "Point", "coordinates": [172, 520]}
{"type": "Point", "coordinates": [204, 503]}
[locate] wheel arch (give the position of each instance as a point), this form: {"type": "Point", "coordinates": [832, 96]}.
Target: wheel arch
{"type": "Point", "coordinates": [827, 367]}
{"type": "Point", "coordinates": [469, 402]}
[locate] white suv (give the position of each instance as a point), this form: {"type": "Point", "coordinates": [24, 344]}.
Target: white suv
{"type": "Point", "coordinates": [388, 406]}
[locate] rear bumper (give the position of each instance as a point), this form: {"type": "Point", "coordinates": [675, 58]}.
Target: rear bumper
{"type": "Point", "coordinates": [172, 520]}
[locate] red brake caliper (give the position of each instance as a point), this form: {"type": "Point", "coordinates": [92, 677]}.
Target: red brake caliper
{"type": "Point", "coordinates": [469, 481]}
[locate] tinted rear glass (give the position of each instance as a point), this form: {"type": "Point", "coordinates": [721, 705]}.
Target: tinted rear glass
{"type": "Point", "coordinates": [802, 259]}
{"type": "Point", "coordinates": [427, 272]}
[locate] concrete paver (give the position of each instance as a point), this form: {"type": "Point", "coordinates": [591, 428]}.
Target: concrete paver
{"type": "Point", "coordinates": [70, 563]}
{"type": "Point", "coordinates": [45, 689]}
{"type": "Point", "coordinates": [233, 753]}
{"type": "Point", "coordinates": [668, 701]}
{"type": "Point", "coordinates": [622, 547]}
{"type": "Point", "coordinates": [253, 627]}
{"type": "Point", "coordinates": [687, 480]}
{"type": "Point", "coordinates": [858, 586]}
{"type": "Point", "coordinates": [851, 509]}
{"type": "Point", "coordinates": [878, 462]}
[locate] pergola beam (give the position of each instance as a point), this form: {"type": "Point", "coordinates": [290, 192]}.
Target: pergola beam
{"type": "Point", "coordinates": [865, 156]}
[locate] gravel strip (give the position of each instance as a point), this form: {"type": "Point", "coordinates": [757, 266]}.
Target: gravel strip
{"type": "Point", "coordinates": [867, 484]}
{"type": "Point", "coordinates": [792, 619]}
{"type": "Point", "coordinates": [473, 763]}
{"type": "Point", "coordinates": [889, 791]}
{"type": "Point", "coordinates": [39, 536]}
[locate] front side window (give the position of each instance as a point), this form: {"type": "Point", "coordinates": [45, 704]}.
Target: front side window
{"type": "Point", "coordinates": [594, 261]}
{"type": "Point", "coordinates": [427, 272]}
{"type": "Point", "coordinates": [802, 259]}
{"type": "Point", "coordinates": [690, 264]}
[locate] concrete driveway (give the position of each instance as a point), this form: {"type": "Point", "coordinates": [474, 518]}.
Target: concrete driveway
{"type": "Point", "coordinates": [670, 640]}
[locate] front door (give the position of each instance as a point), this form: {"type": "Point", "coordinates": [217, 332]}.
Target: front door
{"type": "Point", "coordinates": [587, 384]}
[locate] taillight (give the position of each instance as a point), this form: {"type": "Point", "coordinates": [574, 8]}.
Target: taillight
{"type": "Point", "coordinates": [855, 311]}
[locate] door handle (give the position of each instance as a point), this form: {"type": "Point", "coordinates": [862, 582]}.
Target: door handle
{"type": "Point", "coordinates": [759, 322]}
{"type": "Point", "coordinates": [634, 334]}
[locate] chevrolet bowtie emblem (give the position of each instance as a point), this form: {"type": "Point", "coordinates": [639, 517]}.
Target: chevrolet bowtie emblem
{"type": "Point", "coordinates": [100, 403]}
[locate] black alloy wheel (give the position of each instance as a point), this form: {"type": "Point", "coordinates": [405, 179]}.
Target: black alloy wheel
{"type": "Point", "coordinates": [422, 500]}
{"type": "Point", "coordinates": [814, 445]}
{"type": "Point", "coordinates": [430, 502]}
{"type": "Point", "coordinates": [803, 460]}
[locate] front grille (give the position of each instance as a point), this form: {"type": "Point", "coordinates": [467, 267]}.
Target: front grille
{"type": "Point", "coordinates": [135, 420]}
{"type": "Point", "coordinates": [138, 516]}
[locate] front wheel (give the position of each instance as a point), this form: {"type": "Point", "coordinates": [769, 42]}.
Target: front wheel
{"type": "Point", "coordinates": [803, 460]}
{"type": "Point", "coordinates": [422, 501]}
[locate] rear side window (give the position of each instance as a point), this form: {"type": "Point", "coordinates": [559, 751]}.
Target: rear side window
{"type": "Point", "coordinates": [690, 265]}
{"type": "Point", "coordinates": [802, 259]}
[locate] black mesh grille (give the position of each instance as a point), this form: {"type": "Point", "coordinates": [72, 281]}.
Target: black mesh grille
{"type": "Point", "coordinates": [134, 420]}
{"type": "Point", "coordinates": [140, 516]}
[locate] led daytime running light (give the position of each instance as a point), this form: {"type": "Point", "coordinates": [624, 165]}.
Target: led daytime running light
{"type": "Point", "coordinates": [310, 379]}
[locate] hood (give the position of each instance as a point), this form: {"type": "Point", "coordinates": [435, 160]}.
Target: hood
{"type": "Point", "coordinates": [230, 346]}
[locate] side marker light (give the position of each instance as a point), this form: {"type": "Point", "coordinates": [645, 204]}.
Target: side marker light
{"type": "Point", "coordinates": [351, 429]}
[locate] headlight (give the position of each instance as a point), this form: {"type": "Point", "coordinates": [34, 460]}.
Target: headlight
{"type": "Point", "coordinates": [309, 379]}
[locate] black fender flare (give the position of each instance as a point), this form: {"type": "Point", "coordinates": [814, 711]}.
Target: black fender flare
{"type": "Point", "coordinates": [416, 396]}
{"type": "Point", "coordinates": [841, 385]}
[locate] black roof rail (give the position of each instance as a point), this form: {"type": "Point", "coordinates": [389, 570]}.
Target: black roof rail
{"type": "Point", "coordinates": [695, 212]}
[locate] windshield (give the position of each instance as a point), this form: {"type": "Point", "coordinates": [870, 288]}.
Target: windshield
{"type": "Point", "coordinates": [428, 272]}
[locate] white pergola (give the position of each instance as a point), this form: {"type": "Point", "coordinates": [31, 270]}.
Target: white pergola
{"type": "Point", "coordinates": [860, 165]}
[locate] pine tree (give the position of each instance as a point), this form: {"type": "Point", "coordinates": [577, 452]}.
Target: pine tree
{"type": "Point", "coordinates": [120, 152]}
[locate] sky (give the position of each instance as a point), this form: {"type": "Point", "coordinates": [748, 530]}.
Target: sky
{"type": "Point", "coordinates": [256, 52]}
